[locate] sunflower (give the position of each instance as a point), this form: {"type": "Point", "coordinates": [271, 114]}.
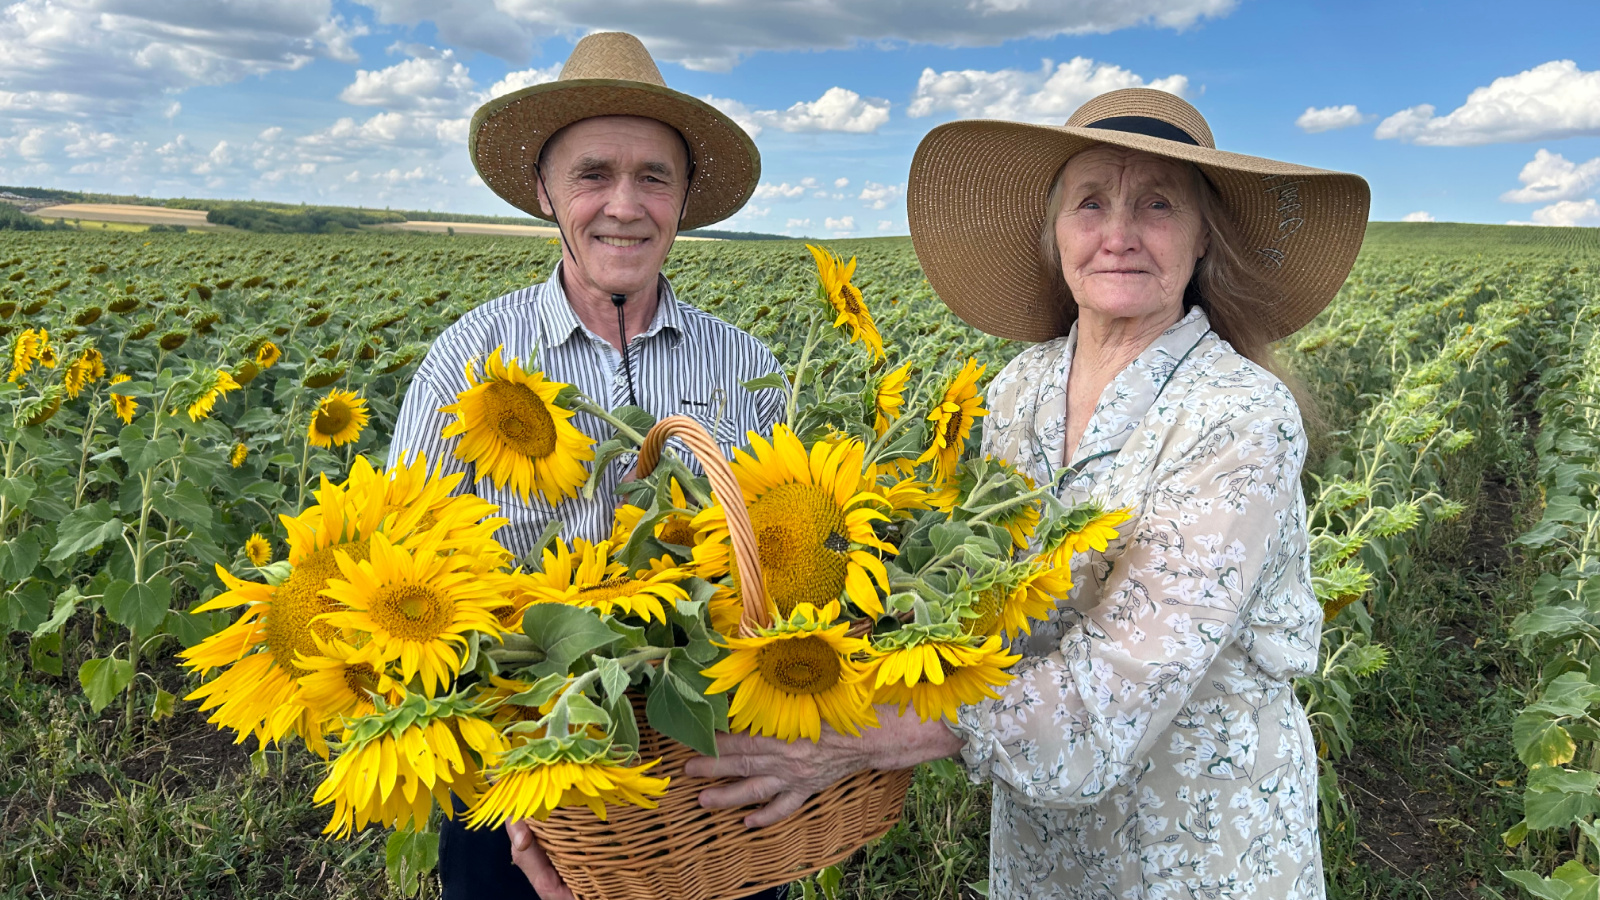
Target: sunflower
{"type": "Point", "coordinates": [47, 353]}
{"type": "Point", "coordinates": [889, 396]}
{"type": "Point", "coordinates": [89, 366]}
{"type": "Point", "coordinates": [124, 405]}
{"type": "Point", "coordinates": [24, 352]}
{"type": "Point", "coordinates": [1028, 591]}
{"type": "Point", "coordinates": [586, 576]}
{"type": "Point", "coordinates": [938, 676]}
{"type": "Point", "coordinates": [260, 651]}
{"type": "Point", "coordinates": [338, 420]}
{"type": "Point", "coordinates": [1020, 521]}
{"type": "Point", "coordinates": [952, 420]}
{"type": "Point", "coordinates": [341, 680]}
{"type": "Point", "coordinates": [267, 355]}
{"type": "Point", "coordinates": [812, 516]}
{"type": "Point", "coordinates": [220, 383]}
{"type": "Point", "coordinates": [514, 430]}
{"type": "Point", "coordinates": [1093, 534]}
{"type": "Point", "coordinates": [417, 605]}
{"type": "Point", "coordinates": [795, 676]}
{"type": "Point", "coordinates": [257, 550]}
{"type": "Point", "coordinates": [672, 529]}
{"type": "Point", "coordinates": [394, 779]}
{"type": "Point", "coordinates": [533, 788]}
{"type": "Point", "coordinates": [833, 277]}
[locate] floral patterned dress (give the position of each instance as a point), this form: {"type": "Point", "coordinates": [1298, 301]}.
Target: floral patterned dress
{"type": "Point", "coordinates": [1152, 745]}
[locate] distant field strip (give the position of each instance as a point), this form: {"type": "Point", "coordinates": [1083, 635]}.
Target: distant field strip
{"type": "Point", "coordinates": [118, 212]}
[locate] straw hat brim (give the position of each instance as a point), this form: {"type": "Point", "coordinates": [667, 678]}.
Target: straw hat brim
{"type": "Point", "coordinates": [976, 202]}
{"type": "Point", "coordinates": [507, 133]}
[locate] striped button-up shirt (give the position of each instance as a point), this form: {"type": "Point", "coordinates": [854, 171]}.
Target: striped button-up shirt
{"type": "Point", "coordinates": [687, 362]}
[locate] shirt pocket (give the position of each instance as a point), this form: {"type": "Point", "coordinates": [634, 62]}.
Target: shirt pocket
{"type": "Point", "coordinates": [723, 429]}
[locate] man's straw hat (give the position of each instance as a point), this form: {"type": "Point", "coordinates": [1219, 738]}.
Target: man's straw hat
{"type": "Point", "coordinates": [612, 74]}
{"type": "Point", "coordinates": [976, 202]}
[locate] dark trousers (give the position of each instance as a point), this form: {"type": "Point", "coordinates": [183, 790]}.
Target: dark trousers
{"type": "Point", "coordinates": [476, 863]}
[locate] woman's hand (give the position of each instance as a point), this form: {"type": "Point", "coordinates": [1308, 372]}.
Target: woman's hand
{"type": "Point", "coordinates": [531, 859]}
{"type": "Point", "coordinates": [788, 775]}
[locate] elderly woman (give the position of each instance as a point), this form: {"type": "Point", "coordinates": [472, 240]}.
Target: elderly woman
{"type": "Point", "coordinates": [1151, 744]}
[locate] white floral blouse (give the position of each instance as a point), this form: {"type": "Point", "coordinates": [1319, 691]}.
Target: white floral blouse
{"type": "Point", "coordinates": [1152, 745]}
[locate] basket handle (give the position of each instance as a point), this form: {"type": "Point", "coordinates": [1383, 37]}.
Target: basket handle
{"type": "Point", "coordinates": [725, 488]}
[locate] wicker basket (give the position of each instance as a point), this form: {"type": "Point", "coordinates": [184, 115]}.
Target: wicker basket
{"type": "Point", "coordinates": [680, 850]}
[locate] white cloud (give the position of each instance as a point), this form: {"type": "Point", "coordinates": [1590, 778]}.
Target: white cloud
{"type": "Point", "coordinates": [516, 81]}
{"type": "Point", "coordinates": [1047, 95]}
{"type": "Point", "coordinates": [470, 24]}
{"type": "Point", "coordinates": [885, 225]}
{"type": "Point", "coordinates": [796, 223]}
{"type": "Point", "coordinates": [783, 190]}
{"type": "Point", "coordinates": [1550, 178]}
{"type": "Point", "coordinates": [840, 226]}
{"type": "Point", "coordinates": [841, 182]}
{"type": "Point", "coordinates": [1418, 216]}
{"type": "Point", "coordinates": [434, 83]}
{"type": "Point", "coordinates": [708, 36]}
{"type": "Point", "coordinates": [1567, 213]}
{"type": "Point", "coordinates": [1550, 101]}
{"type": "Point", "coordinates": [838, 109]}
{"type": "Point", "coordinates": [172, 110]}
{"type": "Point", "coordinates": [97, 57]}
{"type": "Point", "coordinates": [268, 135]}
{"type": "Point", "coordinates": [1330, 118]}
{"type": "Point", "coordinates": [879, 196]}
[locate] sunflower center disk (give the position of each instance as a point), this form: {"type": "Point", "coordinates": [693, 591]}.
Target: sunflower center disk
{"type": "Point", "coordinates": [333, 418]}
{"type": "Point", "coordinates": [852, 300]}
{"type": "Point", "coordinates": [299, 599]}
{"type": "Point", "coordinates": [803, 665]}
{"type": "Point", "coordinates": [800, 535]}
{"type": "Point", "coordinates": [521, 418]}
{"type": "Point", "coordinates": [607, 591]}
{"type": "Point", "coordinates": [677, 531]}
{"type": "Point", "coordinates": [413, 612]}
{"type": "Point", "coordinates": [361, 679]}
{"type": "Point", "coordinates": [952, 428]}
{"type": "Point", "coordinates": [988, 607]}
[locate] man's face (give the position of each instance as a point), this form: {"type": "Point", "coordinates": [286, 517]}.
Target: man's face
{"type": "Point", "coordinates": [618, 185]}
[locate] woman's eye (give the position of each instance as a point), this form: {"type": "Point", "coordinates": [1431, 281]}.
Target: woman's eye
{"type": "Point", "coordinates": [1089, 204]}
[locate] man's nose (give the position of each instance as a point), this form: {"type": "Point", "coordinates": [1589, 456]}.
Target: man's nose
{"type": "Point", "coordinates": [624, 202]}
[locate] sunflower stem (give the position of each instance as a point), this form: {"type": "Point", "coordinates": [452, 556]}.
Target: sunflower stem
{"type": "Point", "coordinates": [882, 443]}
{"type": "Point", "coordinates": [623, 428]}
{"type": "Point", "coordinates": [800, 371]}
{"type": "Point", "coordinates": [1016, 501]}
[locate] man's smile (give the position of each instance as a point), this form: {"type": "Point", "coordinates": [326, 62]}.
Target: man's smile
{"type": "Point", "coordinates": [620, 242]}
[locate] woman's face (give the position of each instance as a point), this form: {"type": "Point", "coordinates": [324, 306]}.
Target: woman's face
{"type": "Point", "coordinates": [1129, 233]}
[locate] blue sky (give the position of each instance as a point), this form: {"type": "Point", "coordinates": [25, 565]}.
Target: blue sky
{"type": "Point", "coordinates": [1473, 111]}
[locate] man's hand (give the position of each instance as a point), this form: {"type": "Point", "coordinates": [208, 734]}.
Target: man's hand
{"type": "Point", "coordinates": [531, 859]}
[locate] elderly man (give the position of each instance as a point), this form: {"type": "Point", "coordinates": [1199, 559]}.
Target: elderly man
{"type": "Point", "coordinates": [620, 163]}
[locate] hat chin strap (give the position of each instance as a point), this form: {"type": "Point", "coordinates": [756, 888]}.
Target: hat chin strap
{"type": "Point", "coordinates": [618, 300]}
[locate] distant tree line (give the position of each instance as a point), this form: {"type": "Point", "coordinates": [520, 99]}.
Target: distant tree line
{"type": "Point", "coordinates": [294, 220]}
{"type": "Point", "coordinates": [13, 219]}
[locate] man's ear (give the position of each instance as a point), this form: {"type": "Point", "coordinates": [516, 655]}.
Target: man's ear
{"type": "Point", "coordinates": [538, 189]}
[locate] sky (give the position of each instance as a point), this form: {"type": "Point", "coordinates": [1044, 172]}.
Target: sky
{"type": "Point", "coordinates": [1470, 111]}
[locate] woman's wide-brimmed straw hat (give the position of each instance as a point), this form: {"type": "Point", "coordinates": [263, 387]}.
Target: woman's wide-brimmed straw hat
{"type": "Point", "coordinates": [977, 195]}
{"type": "Point", "coordinates": [612, 74]}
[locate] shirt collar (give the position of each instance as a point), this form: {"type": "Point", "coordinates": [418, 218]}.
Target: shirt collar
{"type": "Point", "coordinates": [558, 322]}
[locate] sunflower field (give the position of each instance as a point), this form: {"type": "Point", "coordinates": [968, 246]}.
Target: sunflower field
{"type": "Point", "coordinates": [178, 405]}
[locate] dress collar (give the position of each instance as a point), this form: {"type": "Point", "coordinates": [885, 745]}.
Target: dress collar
{"type": "Point", "coordinates": [1128, 397]}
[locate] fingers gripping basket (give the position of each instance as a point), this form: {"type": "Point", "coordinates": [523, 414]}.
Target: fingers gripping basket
{"type": "Point", "coordinates": [680, 850]}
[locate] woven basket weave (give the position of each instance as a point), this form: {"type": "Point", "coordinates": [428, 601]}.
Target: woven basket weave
{"type": "Point", "coordinates": [679, 850]}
